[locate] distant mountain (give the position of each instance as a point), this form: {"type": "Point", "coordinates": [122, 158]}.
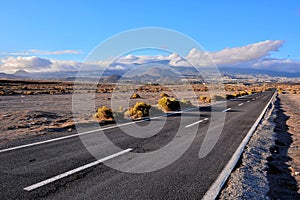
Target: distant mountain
{"type": "Point", "coordinates": [22, 73]}
{"type": "Point", "coordinates": [161, 72]}
{"type": "Point", "coordinates": [152, 74]}
{"type": "Point", "coordinates": [112, 79]}
{"type": "Point", "coordinates": [8, 76]}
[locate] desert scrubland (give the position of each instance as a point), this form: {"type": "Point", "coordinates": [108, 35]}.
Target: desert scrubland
{"type": "Point", "coordinates": [30, 108]}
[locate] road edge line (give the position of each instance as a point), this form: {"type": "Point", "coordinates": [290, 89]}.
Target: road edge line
{"type": "Point", "coordinates": [217, 185]}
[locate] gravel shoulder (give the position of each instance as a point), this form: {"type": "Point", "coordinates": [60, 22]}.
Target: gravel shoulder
{"type": "Point", "coordinates": [269, 166]}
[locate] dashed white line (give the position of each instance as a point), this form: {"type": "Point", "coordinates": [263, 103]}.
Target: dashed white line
{"type": "Point", "coordinates": [226, 110]}
{"type": "Point", "coordinates": [192, 124]}
{"type": "Point", "coordinates": [241, 104]}
{"type": "Point", "coordinates": [248, 101]}
{"type": "Point", "coordinates": [68, 173]}
{"type": "Point", "coordinates": [197, 122]}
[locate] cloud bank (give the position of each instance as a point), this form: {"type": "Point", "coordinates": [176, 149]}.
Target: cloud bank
{"type": "Point", "coordinates": [255, 56]}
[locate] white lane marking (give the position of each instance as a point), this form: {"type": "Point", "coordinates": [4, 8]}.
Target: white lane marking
{"type": "Point", "coordinates": [87, 132]}
{"type": "Point", "coordinates": [226, 110]}
{"type": "Point", "coordinates": [241, 104]}
{"type": "Point", "coordinates": [217, 185]}
{"type": "Point", "coordinates": [192, 124]}
{"type": "Point", "coordinates": [248, 101]}
{"type": "Point", "coordinates": [253, 99]}
{"type": "Point", "coordinates": [197, 122]}
{"type": "Point", "coordinates": [73, 171]}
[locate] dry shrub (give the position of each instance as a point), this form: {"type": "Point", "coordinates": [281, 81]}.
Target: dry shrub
{"type": "Point", "coordinates": [104, 113]}
{"type": "Point", "coordinates": [29, 93]}
{"type": "Point", "coordinates": [243, 93]}
{"type": "Point", "coordinates": [139, 110]}
{"type": "Point", "coordinates": [204, 99]}
{"type": "Point", "coordinates": [168, 104]}
{"type": "Point", "coordinates": [135, 96]}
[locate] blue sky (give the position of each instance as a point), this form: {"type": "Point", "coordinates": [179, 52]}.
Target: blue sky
{"type": "Point", "coordinates": [81, 25]}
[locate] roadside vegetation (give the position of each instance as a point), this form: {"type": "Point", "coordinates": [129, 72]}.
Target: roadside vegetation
{"type": "Point", "coordinates": [168, 104]}
{"type": "Point", "coordinates": [138, 111]}
{"type": "Point", "coordinates": [104, 113]}
{"type": "Point", "coordinates": [135, 96]}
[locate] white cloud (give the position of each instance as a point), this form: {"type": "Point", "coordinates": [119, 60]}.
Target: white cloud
{"type": "Point", "coordinates": [38, 64]}
{"type": "Point", "coordinates": [131, 59]}
{"type": "Point", "coordinates": [250, 56]}
{"type": "Point", "coordinates": [32, 63]}
{"type": "Point", "coordinates": [234, 55]}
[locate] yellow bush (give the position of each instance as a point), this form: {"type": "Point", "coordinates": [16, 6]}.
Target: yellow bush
{"type": "Point", "coordinates": [139, 110]}
{"type": "Point", "coordinates": [243, 93]}
{"type": "Point", "coordinates": [104, 113]}
{"type": "Point", "coordinates": [135, 96]}
{"type": "Point", "coordinates": [204, 99]}
{"type": "Point", "coordinates": [169, 104]}
{"type": "Point", "coordinates": [29, 93]}
{"type": "Point", "coordinates": [249, 92]}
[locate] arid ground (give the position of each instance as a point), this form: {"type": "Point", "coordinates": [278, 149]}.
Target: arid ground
{"type": "Point", "coordinates": [291, 107]}
{"type": "Point", "coordinates": [44, 108]}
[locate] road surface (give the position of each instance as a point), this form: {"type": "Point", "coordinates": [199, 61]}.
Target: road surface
{"type": "Point", "coordinates": [39, 171]}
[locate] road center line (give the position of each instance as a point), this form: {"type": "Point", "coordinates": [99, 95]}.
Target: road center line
{"type": "Point", "coordinates": [226, 110]}
{"type": "Point", "coordinates": [73, 171]}
{"type": "Point", "coordinates": [241, 104]}
{"type": "Point", "coordinates": [248, 101]}
{"type": "Point", "coordinates": [197, 122]}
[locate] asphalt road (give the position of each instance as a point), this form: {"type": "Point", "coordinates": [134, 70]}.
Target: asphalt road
{"type": "Point", "coordinates": [188, 177]}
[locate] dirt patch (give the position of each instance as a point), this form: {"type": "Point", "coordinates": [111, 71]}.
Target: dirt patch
{"type": "Point", "coordinates": [282, 183]}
